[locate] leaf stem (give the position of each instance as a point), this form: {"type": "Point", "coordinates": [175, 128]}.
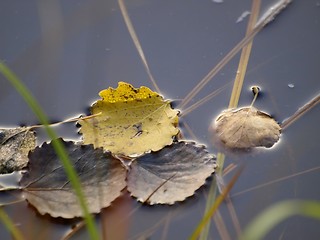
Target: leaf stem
{"type": "Point", "coordinates": [66, 121]}
{"type": "Point", "coordinates": [255, 91]}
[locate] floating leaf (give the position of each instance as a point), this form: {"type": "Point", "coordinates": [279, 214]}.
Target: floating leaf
{"type": "Point", "coordinates": [47, 188]}
{"type": "Point", "coordinates": [15, 144]}
{"type": "Point", "coordinates": [132, 121]}
{"type": "Point", "coordinates": [246, 128]}
{"type": "Point", "coordinates": [171, 174]}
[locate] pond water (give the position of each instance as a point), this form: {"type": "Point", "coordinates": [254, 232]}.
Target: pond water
{"type": "Point", "coordinates": [67, 51]}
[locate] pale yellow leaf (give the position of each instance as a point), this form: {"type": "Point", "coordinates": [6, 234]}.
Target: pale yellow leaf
{"type": "Point", "coordinates": [132, 121]}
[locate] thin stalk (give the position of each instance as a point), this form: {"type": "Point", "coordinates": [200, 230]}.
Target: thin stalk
{"type": "Point", "coordinates": [264, 20]}
{"type": "Point", "coordinates": [244, 58]}
{"type": "Point", "coordinates": [212, 194]}
{"type": "Point", "coordinates": [221, 226]}
{"type": "Point", "coordinates": [203, 100]}
{"type": "Point", "coordinates": [276, 181]}
{"type": "Point", "coordinates": [210, 200]}
{"type": "Point", "coordinates": [301, 111]}
{"type": "Point", "coordinates": [136, 42]}
{"type": "Point", "coordinates": [215, 206]}
{"type": "Point", "coordinates": [66, 121]}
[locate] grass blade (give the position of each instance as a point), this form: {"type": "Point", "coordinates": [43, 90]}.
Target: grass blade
{"type": "Point", "coordinates": [35, 107]}
{"type": "Point", "coordinates": [278, 212]}
{"type": "Point", "coordinates": [202, 224]}
{"type": "Point", "coordinates": [212, 195]}
{"type": "Point", "coordinates": [10, 225]}
{"type": "Point", "coordinates": [210, 201]}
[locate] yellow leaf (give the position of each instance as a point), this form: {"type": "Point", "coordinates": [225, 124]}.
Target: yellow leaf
{"type": "Point", "coordinates": [132, 121]}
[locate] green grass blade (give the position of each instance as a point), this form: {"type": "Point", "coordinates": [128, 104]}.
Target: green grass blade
{"type": "Point", "coordinates": [210, 201]}
{"type": "Point", "coordinates": [212, 196]}
{"type": "Point", "coordinates": [59, 148]}
{"type": "Point", "coordinates": [278, 212]}
{"type": "Point", "coordinates": [10, 225]}
{"type": "Point", "coordinates": [204, 221]}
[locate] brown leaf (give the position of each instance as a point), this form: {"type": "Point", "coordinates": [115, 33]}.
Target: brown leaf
{"type": "Point", "coordinates": [15, 144]}
{"type": "Point", "coordinates": [47, 188]}
{"type": "Point", "coordinates": [171, 174]}
{"type": "Point", "coordinates": [246, 128]}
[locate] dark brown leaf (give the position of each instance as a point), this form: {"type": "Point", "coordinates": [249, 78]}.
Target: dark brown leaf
{"type": "Point", "coordinates": [48, 189]}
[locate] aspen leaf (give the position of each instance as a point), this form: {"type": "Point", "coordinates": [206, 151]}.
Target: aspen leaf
{"type": "Point", "coordinates": [15, 144]}
{"type": "Point", "coordinates": [171, 174]}
{"type": "Point", "coordinates": [246, 128]}
{"type": "Point", "coordinates": [132, 121]}
{"type": "Point", "coordinates": [47, 188]}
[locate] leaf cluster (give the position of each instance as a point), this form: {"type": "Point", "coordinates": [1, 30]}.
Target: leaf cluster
{"type": "Point", "coordinates": [132, 141]}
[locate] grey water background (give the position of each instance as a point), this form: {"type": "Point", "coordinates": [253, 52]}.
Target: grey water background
{"type": "Point", "coordinates": [67, 51]}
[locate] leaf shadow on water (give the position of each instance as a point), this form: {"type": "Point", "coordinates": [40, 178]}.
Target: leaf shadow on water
{"type": "Point", "coordinates": [267, 171]}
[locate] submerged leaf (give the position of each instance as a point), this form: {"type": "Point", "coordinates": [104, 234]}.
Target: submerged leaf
{"type": "Point", "coordinates": [47, 188]}
{"type": "Point", "coordinates": [246, 128]}
{"type": "Point", "coordinates": [171, 174]}
{"type": "Point", "coordinates": [132, 121]}
{"type": "Point", "coordinates": [15, 144]}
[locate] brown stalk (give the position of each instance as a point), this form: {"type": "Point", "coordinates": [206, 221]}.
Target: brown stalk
{"type": "Point", "coordinates": [301, 111]}
{"type": "Point", "coordinates": [264, 20]}
{"type": "Point", "coordinates": [136, 42]}
{"type": "Point", "coordinates": [215, 206]}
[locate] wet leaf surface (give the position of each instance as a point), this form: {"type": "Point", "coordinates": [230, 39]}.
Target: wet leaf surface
{"type": "Point", "coordinates": [47, 188]}
{"type": "Point", "coordinates": [15, 144]}
{"type": "Point", "coordinates": [171, 174]}
{"type": "Point", "coordinates": [246, 128]}
{"type": "Point", "coordinates": [130, 121]}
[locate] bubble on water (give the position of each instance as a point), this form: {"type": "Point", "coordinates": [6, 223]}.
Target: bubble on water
{"type": "Point", "coordinates": [291, 85]}
{"type": "Point", "coordinates": [243, 16]}
{"type": "Point", "coordinates": [217, 1]}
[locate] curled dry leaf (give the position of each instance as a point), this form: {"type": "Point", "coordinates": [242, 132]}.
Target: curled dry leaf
{"type": "Point", "coordinates": [130, 121]}
{"type": "Point", "coordinates": [15, 144]}
{"type": "Point", "coordinates": [47, 188]}
{"type": "Point", "coordinates": [171, 174]}
{"type": "Point", "coordinates": [246, 128]}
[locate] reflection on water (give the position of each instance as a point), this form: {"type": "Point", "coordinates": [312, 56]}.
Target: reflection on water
{"type": "Point", "coordinates": [67, 53]}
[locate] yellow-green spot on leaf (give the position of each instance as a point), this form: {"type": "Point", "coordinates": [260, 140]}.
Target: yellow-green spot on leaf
{"type": "Point", "coordinates": [132, 121]}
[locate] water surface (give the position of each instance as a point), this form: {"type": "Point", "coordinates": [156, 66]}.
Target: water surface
{"type": "Point", "coordinates": [67, 51]}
